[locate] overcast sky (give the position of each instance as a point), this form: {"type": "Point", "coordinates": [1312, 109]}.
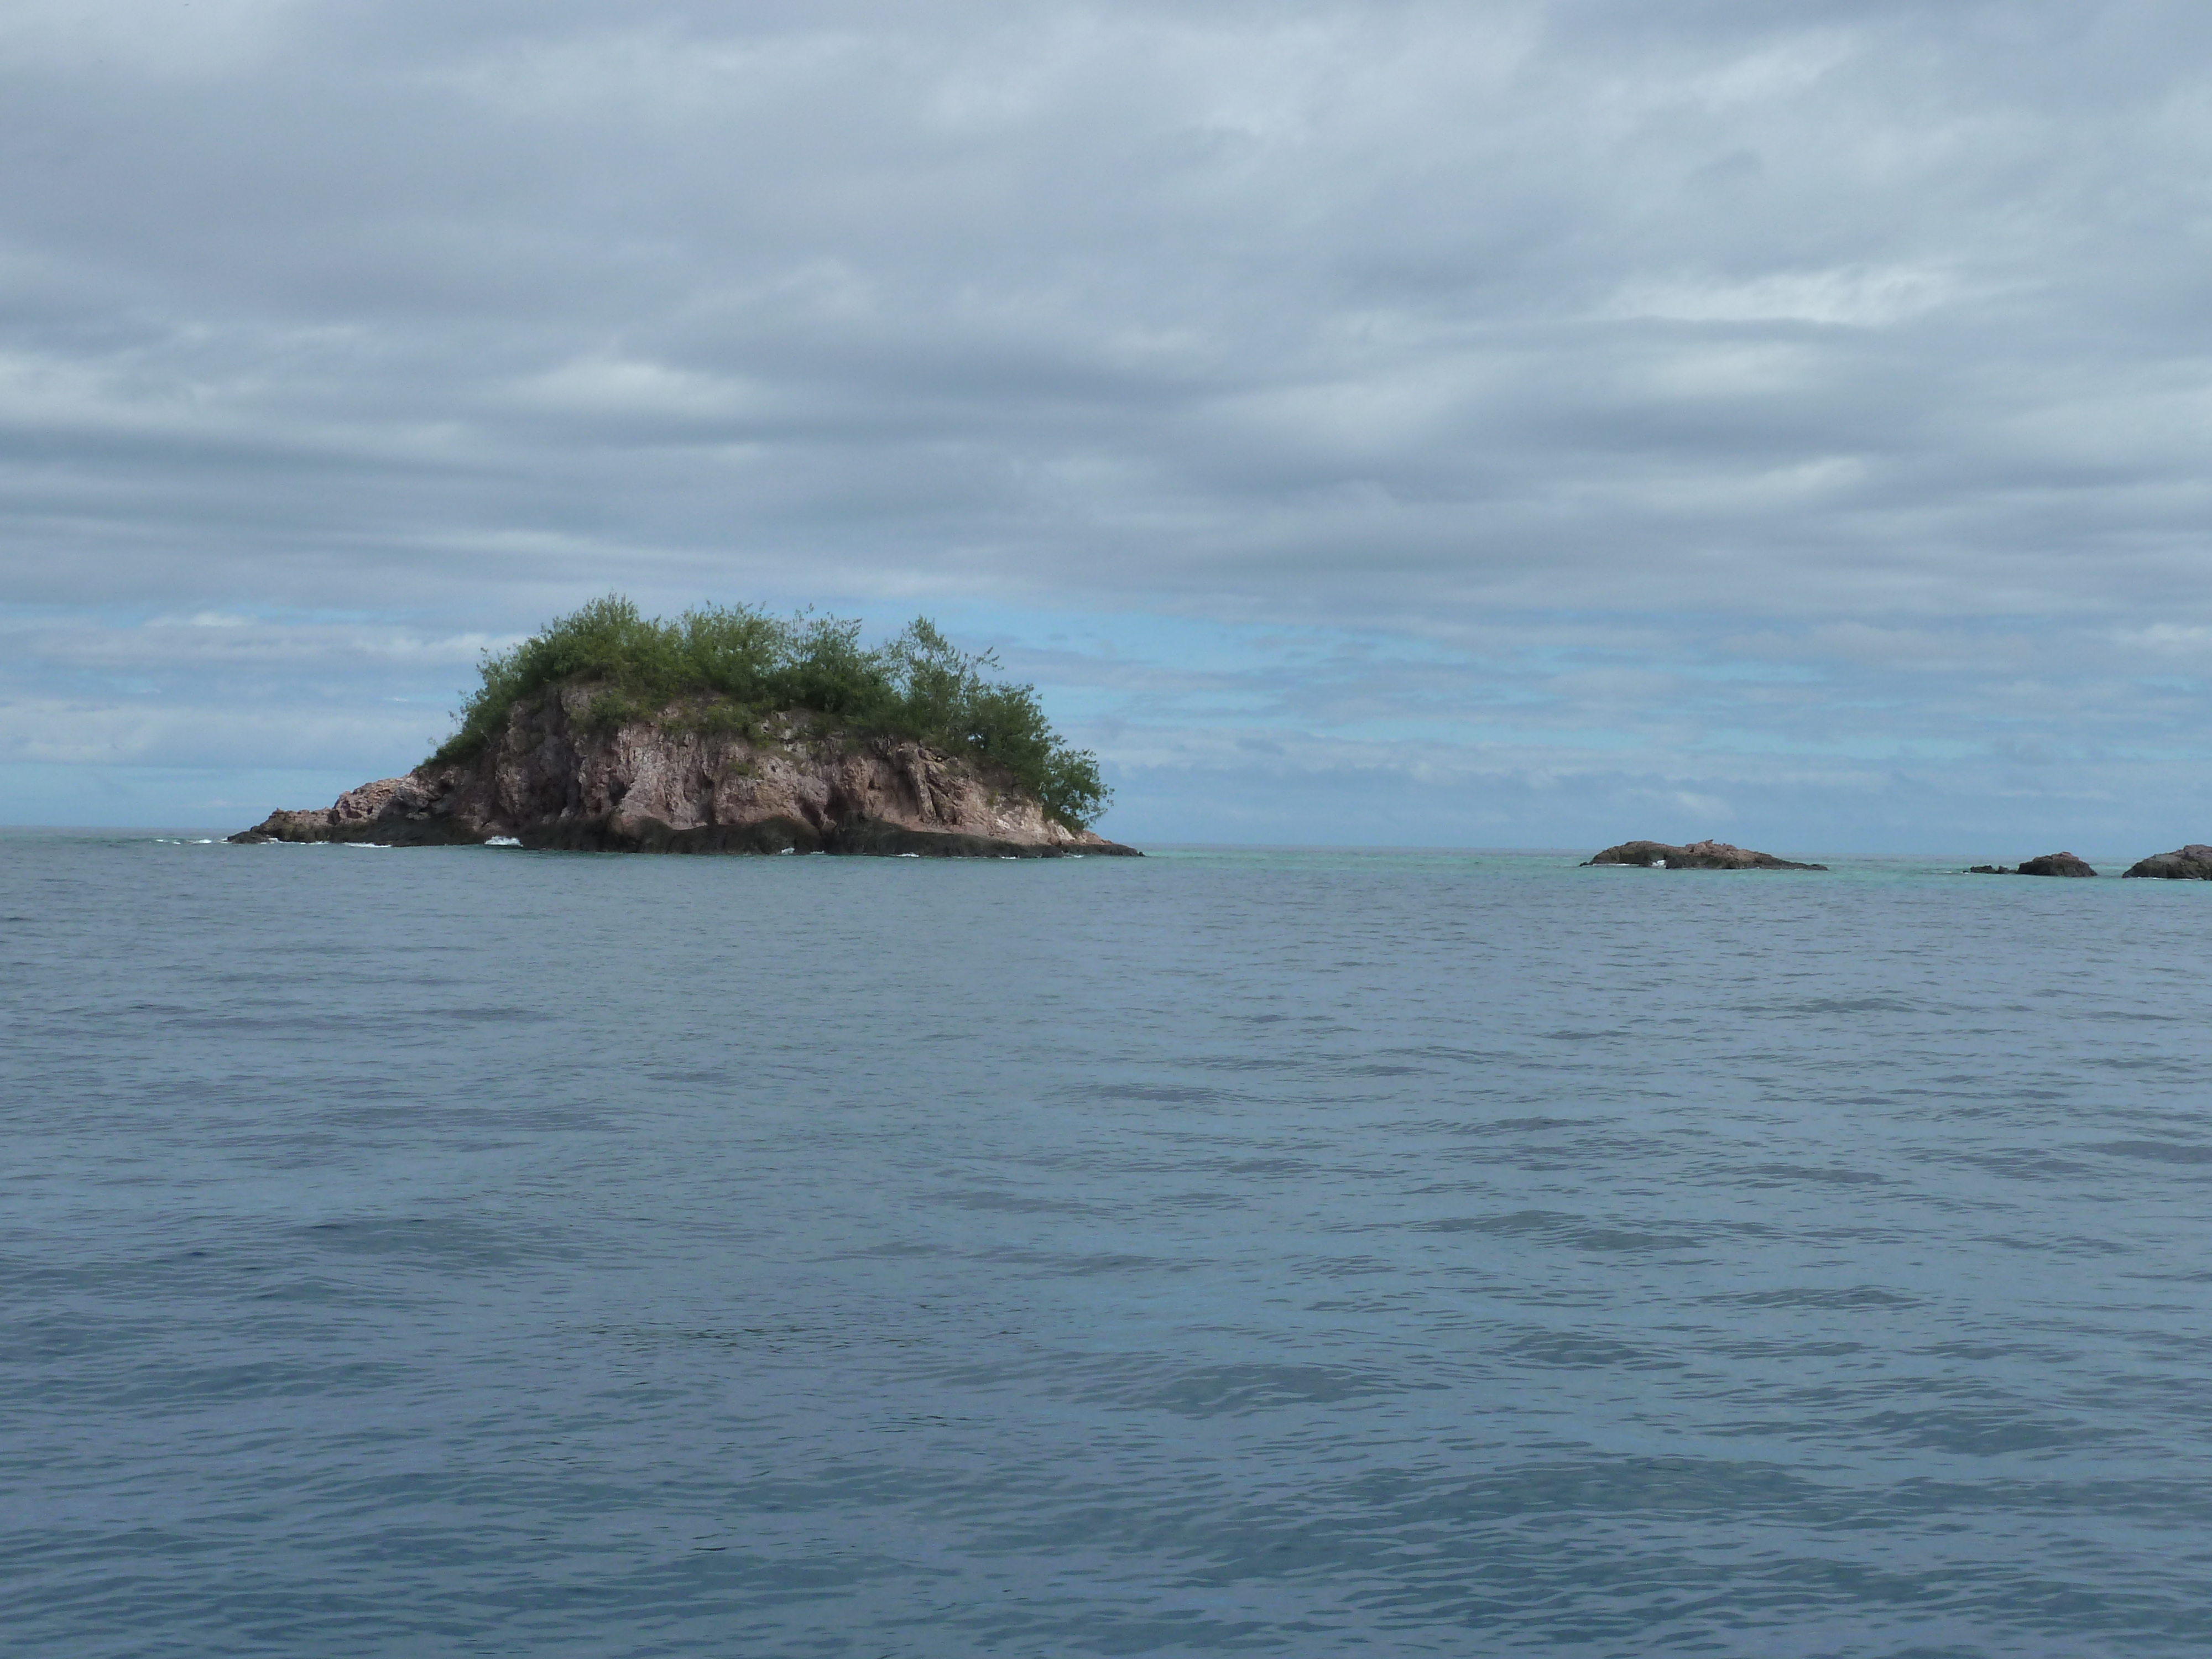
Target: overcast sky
{"type": "Point", "coordinates": [1479, 424]}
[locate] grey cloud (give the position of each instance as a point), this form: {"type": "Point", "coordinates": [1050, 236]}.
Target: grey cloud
{"type": "Point", "coordinates": [1866, 342]}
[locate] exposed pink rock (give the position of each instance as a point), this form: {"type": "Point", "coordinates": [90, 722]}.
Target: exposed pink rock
{"type": "Point", "coordinates": [689, 780]}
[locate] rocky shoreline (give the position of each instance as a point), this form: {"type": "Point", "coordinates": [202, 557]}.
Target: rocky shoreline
{"type": "Point", "coordinates": [696, 778]}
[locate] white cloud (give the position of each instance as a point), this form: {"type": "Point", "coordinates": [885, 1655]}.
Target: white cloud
{"type": "Point", "coordinates": [1845, 297]}
{"type": "Point", "coordinates": [161, 39]}
{"type": "Point", "coordinates": [2168, 640]}
{"type": "Point", "coordinates": [608, 384]}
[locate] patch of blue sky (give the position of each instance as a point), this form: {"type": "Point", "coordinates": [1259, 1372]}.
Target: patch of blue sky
{"type": "Point", "coordinates": [1478, 734]}
{"type": "Point", "coordinates": [1753, 673]}
{"type": "Point", "coordinates": [95, 682]}
{"type": "Point", "coordinates": [1251, 708]}
{"type": "Point", "coordinates": [1740, 742]}
{"type": "Point", "coordinates": [1188, 644]}
{"type": "Point", "coordinates": [167, 797]}
{"type": "Point", "coordinates": [2160, 753]}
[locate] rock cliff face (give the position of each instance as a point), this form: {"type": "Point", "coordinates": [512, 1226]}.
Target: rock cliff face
{"type": "Point", "coordinates": [1697, 855]}
{"type": "Point", "coordinates": [2190, 863]}
{"type": "Point", "coordinates": [693, 779]}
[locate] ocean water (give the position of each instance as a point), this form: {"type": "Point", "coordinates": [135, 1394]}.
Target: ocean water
{"type": "Point", "coordinates": [485, 1252]}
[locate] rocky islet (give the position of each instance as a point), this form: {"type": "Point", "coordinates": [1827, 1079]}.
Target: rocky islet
{"type": "Point", "coordinates": [1695, 856]}
{"type": "Point", "coordinates": [695, 777]}
{"type": "Point", "coordinates": [2190, 863]}
{"type": "Point", "coordinates": [2050, 864]}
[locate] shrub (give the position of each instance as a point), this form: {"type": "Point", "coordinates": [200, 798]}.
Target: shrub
{"type": "Point", "coordinates": [920, 685]}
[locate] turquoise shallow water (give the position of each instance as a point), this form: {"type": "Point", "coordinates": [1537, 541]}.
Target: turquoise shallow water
{"type": "Point", "coordinates": [463, 1251]}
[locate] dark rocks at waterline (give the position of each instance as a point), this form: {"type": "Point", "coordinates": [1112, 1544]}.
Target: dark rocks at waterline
{"type": "Point", "coordinates": [2190, 863]}
{"type": "Point", "coordinates": [2050, 864]}
{"type": "Point", "coordinates": [1696, 855]}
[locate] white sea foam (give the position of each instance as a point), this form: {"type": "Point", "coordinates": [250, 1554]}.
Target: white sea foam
{"type": "Point", "coordinates": [503, 840]}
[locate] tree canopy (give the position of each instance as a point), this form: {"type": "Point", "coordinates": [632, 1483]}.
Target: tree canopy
{"type": "Point", "coordinates": [917, 686]}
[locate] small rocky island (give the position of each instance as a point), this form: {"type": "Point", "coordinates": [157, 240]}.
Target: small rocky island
{"type": "Point", "coordinates": [2050, 864]}
{"type": "Point", "coordinates": [2190, 863]}
{"type": "Point", "coordinates": [734, 731]}
{"type": "Point", "coordinates": [1696, 855]}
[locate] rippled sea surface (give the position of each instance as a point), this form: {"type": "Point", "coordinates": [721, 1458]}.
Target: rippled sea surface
{"type": "Point", "coordinates": [469, 1251]}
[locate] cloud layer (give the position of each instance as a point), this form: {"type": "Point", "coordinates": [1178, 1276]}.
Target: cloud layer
{"type": "Point", "coordinates": [1794, 412]}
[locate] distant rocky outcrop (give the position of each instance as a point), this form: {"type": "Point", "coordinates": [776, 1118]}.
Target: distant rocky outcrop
{"type": "Point", "coordinates": [696, 777]}
{"type": "Point", "coordinates": [1697, 855]}
{"type": "Point", "coordinates": [2050, 864]}
{"type": "Point", "coordinates": [2190, 863]}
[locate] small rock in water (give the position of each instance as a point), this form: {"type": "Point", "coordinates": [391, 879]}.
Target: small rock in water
{"type": "Point", "coordinates": [2050, 864]}
{"type": "Point", "coordinates": [2055, 863]}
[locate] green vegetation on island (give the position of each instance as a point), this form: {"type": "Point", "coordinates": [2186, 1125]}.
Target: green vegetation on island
{"type": "Point", "coordinates": [919, 686]}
